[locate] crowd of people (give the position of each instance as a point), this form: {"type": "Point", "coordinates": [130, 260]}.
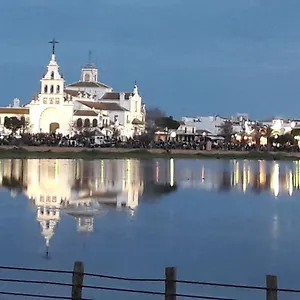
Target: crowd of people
{"type": "Point", "coordinates": [58, 140]}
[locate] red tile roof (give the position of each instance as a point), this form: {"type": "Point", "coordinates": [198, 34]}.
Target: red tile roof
{"type": "Point", "coordinates": [88, 84]}
{"type": "Point", "coordinates": [14, 110]}
{"type": "Point", "coordinates": [115, 96]}
{"type": "Point", "coordinates": [85, 113]}
{"type": "Point", "coordinates": [103, 106]}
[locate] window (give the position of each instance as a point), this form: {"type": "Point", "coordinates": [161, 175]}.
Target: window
{"type": "Point", "coordinates": [185, 130]}
{"type": "Point", "coordinates": [23, 122]}
{"type": "Point", "coordinates": [52, 89]}
{"type": "Point", "coordinates": [135, 106]}
{"type": "Point", "coordinates": [115, 118]}
{"type": "Point", "coordinates": [56, 100]}
{"type": "Point", "coordinates": [46, 89]}
{"type": "Point", "coordinates": [79, 123]}
{"type": "Point", "coordinates": [45, 100]}
{"type": "Point", "coordinates": [87, 77]}
{"type": "Point", "coordinates": [127, 119]}
{"type": "Point", "coordinates": [58, 89]}
{"type": "Point", "coordinates": [51, 101]}
{"type": "Point", "coordinates": [87, 123]}
{"type": "Point", "coordinates": [95, 123]}
{"type": "Point", "coordinates": [52, 75]}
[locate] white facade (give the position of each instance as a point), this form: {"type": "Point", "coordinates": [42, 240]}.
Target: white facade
{"type": "Point", "coordinates": [50, 111]}
{"type": "Point", "coordinates": [211, 124]}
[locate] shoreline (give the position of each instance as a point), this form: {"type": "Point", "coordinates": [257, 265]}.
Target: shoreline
{"type": "Point", "coordinates": [11, 152]}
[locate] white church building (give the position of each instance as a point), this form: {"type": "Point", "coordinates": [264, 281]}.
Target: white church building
{"type": "Point", "coordinates": [84, 105]}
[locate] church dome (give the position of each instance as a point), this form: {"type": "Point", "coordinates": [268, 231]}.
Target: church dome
{"type": "Point", "coordinates": [90, 66]}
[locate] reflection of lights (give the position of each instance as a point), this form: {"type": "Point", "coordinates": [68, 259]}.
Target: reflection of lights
{"type": "Point", "coordinates": [262, 172]}
{"type": "Point", "coordinates": [236, 173]}
{"type": "Point", "coordinates": [202, 174]}
{"type": "Point", "coordinates": [102, 172]}
{"type": "Point", "coordinates": [275, 226]}
{"type": "Point", "coordinates": [157, 171]}
{"type": "Point", "coordinates": [275, 180]}
{"type": "Point", "coordinates": [244, 177]}
{"type": "Point", "coordinates": [290, 187]}
{"type": "Point", "coordinates": [172, 175]}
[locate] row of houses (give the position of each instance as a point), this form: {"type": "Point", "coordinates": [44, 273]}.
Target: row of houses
{"type": "Point", "coordinates": [193, 128]}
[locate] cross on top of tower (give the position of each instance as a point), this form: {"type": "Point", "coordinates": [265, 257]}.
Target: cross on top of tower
{"type": "Point", "coordinates": [90, 57]}
{"type": "Point", "coordinates": [53, 42]}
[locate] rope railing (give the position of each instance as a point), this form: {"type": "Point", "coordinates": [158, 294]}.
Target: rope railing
{"type": "Point", "coordinates": [170, 282]}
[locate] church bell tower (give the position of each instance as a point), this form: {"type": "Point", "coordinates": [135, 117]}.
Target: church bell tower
{"type": "Point", "coordinates": [52, 83]}
{"type": "Point", "coordinates": [89, 73]}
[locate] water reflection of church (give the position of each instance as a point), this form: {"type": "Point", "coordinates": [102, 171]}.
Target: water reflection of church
{"type": "Point", "coordinates": [80, 188]}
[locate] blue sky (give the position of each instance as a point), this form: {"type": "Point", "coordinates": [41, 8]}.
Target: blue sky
{"type": "Point", "coordinates": [190, 57]}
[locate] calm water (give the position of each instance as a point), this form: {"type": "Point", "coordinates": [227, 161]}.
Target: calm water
{"type": "Point", "coordinates": [224, 221]}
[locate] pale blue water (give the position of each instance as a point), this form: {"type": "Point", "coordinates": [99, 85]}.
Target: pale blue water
{"type": "Point", "coordinates": [221, 221]}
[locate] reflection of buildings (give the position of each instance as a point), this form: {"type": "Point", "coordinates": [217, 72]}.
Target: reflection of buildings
{"type": "Point", "coordinates": [80, 188]}
{"type": "Point", "coordinates": [85, 189]}
{"type": "Point", "coordinates": [255, 176]}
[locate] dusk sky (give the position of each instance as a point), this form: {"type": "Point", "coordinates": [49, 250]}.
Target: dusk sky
{"type": "Point", "coordinates": [189, 57]}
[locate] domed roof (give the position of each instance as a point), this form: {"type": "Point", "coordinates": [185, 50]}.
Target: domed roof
{"type": "Point", "coordinates": [90, 66]}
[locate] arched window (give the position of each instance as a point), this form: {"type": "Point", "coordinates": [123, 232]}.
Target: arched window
{"type": "Point", "coordinates": [58, 89]}
{"type": "Point", "coordinates": [46, 89]}
{"type": "Point", "coordinates": [23, 122]}
{"type": "Point", "coordinates": [52, 89]}
{"type": "Point", "coordinates": [87, 77]}
{"type": "Point", "coordinates": [52, 75]}
{"type": "Point", "coordinates": [79, 123]}
{"type": "Point", "coordinates": [95, 123]}
{"type": "Point", "coordinates": [87, 123]}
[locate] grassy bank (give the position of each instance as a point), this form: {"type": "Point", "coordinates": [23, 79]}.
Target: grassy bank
{"type": "Point", "coordinates": [55, 153]}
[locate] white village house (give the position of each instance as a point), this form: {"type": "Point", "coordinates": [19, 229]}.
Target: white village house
{"type": "Point", "coordinates": [84, 105]}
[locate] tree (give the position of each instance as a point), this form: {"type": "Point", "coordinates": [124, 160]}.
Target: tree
{"type": "Point", "coordinates": [167, 122]}
{"type": "Point", "coordinates": [116, 133]}
{"type": "Point", "coordinates": [226, 130]}
{"type": "Point", "coordinates": [154, 113]}
{"type": "Point", "coordinates": [13, 124]}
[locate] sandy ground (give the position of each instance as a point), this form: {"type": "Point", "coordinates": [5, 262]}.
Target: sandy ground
{"type": "Point", "coordinates": [154, 151]}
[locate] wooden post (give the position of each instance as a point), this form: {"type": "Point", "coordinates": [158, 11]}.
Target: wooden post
{"type": "Point", "coordinates": [77, 280]}
{"type": "Point", "coordinates": [170, 283]}
{"type": "Point", "coordinates": [271, 281]}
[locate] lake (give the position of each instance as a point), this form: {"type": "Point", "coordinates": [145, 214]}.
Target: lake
{"type": "Point", "coordinates": [228, 221]}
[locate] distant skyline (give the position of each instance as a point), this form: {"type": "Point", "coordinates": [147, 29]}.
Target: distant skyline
{"type": "Point", "coordinates": [189, 57]}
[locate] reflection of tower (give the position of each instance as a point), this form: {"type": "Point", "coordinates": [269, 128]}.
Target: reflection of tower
{"type": "Point", "coordinates": [85, 224]}
{"type": "Point", "coordinates": [49, 187]}
{"type": "Point", "coordinates": [48, 217]}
